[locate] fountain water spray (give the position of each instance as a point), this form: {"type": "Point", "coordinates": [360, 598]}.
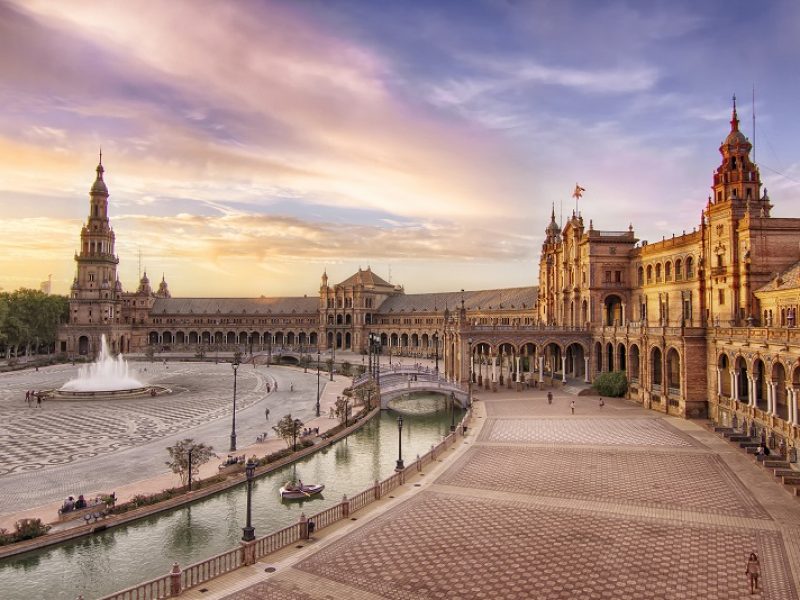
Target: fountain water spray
{"type": "Point", "coordinates": [107, 374]}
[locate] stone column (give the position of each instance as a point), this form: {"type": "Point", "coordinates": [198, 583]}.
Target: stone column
{"type": "Point", "coordinates": [719, 382]}
{"type": "Point", "coordinates": [752, 382]}
{"type": "Point", "coordinates": [773, 398]}
{"type": "Point", "coordinates": [622, 315]}
{"type": "Point", "coordinates": [734, 385]}
{"type": "Point", "coordinates": [249, 549]}
{"type": "Point", "coordinates": [541, 369]}
{"type": "Point", "coordinates": [563, 369]}
{"type": "Point", "coordinates": [586, 369]}
{"type": "Point", "coordinates": [518, 371]}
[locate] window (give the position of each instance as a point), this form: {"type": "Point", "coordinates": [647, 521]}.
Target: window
{"type": "Point", "coordinates": [640, 276]}
{"type": "Point", "coordinates": [689, 268]}
{"type": "Point", "coordinates": [721, 297]}
{"type": "Point", "coordinates": [668, 271]}
{"type": "Point", "coordinates": [658, 273]}
{"type": "Point", "coordinates": [649, 273]}
{"type": "Point", "coordinates": [618, 276]}
{"type": "Point", "coordinates": [608, 277]}
{"type": "Point", "coordinates": [720, 262]}
{"type": "Point", "coordinates": [678, 270]}
{"type": "Point", "coordinates": [91, 276]}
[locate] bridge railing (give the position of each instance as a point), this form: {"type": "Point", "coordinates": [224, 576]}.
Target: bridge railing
{"type": "Point", "coordinates": [178, 581]}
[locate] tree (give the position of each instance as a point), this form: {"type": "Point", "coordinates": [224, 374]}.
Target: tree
{"type": "Point", "coordinates": [342, 408]}
{"type": "Point", "coordinates": [289, 430]}
{"type": "Point", "coordinates": [346, 368]}
{"type": "Point", "coordinates": [367, 394]}
{"type": "Point", "coordinates": [179, 458]}
{"type": "Point", "coordinates": [30, 319]}
{"type": "Point", "coordinates": [613, 384]}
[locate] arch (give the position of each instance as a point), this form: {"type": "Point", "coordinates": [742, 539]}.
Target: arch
{"type": "Point", "coordinates": [552, 358]}
{"type": "Point", "coordinates": [414, 340]}
{"type": "Point", "coordinates": [338, 339]}
{"type": "Point", "coordinates": [621, 358]}
{"type": "Point", "coordinates": [243, 338]}
{"type": "Point", "coordinates": [655, 368]}
{"type": "Point", "coordinates": [658, 272]}
{"type": "Point", "coordinates": [404, 340]}
{"type": "Point", "coordinates": [689, 267]}
{"type": "Point", "coordinates": [779, 386]}
{"type": "Point", "coordinates": [673, 371]}
{"type": "Point", "coordinates": [166, 337]}
{"type": "Point", "coordinates": [230, 339]}
{"type": "Point", "coordinates": [425, 340]}
{"type": "Point", "coordinates": [609, 357]}
{"type": "Point", "coordinates": [312, 339]}
{"type": "Point", "coordinates": [330, 339]}
{"type": "Point", "coordinates": [635, 367]}
{"type": "Point", "coordinates": [290, 338]}
{"type": "Point", "coordinates": [584, 312]}
{"type": "Point", "coordinates": [640, 275]}
{"type": "Point", "coordinates": [612, 306]}
{"type": "Point", "coordinates": [598, 357]}
{"type": "Point", "coordinates": [760, 381]}
{"type": "Point", "coordinates": [83, 345]}
{"type": "Point", "coordinates": [742, 380]}
{"type": "Point", "coordinates": [152, 337]}
{"type": "Point", "coordinates": [576, 365]}
{"type": "Point", "coordinates": [180, 337]}
{"type": "Point", "coordinates": [668, 271]}
{"type": "Point", "coordinates": [724, 366]}
{"type": "Point", "coordinates": [302, 338]}
{"type": "Point", "coordinates": [218, 337]}
{"type": "Point", "coordinates": [393, 340]}
{"type": "Point", "coordinates": [649, 273]}
{"type": "Point", "coordinates": [338, 319]}
{"type": "Point", "coordinates": [348, 319]}
{"type": "Point", "coordinates": [206, 337]}
{"type": "Point", "coordinates": [347, 340]}
{"type": "Point", "coordinates": [678, 269]}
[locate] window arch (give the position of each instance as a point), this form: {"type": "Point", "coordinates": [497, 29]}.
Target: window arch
{"type": "Point", "coordinates": [678, 270]}
{"type": "Point", "coordinates": [668, 271]}
{"type": "Point", "coordinates": [658, 272]}
{"type": "Point", "coordinates": [689, 267]}
{"type": "Point", "coordinates": [649, 273]}
{"type": "Point", "coordinates": [640, 275]}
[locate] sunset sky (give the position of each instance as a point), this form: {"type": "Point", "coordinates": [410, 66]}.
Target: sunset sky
{"type": "Point", "coordinates": [250, 145]}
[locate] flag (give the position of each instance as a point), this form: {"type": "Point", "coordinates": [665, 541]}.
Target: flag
{"type": "Point", "coordinates": [578, 193]}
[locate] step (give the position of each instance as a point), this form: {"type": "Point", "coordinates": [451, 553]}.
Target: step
{"type": "Point", "coordinates": [723, 430]}
{"type": "Point", "coordinates": [740, 438]}
{"type": "Point", "coordinates": [749, 444]}
{"type": "Point", "coordinates": [770, 463]}
{"type": "Point", "coordinates": [793, 480]}
{"type": "Point", "coordinates": [785, 473]}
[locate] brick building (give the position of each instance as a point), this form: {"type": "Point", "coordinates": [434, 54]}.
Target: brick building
{"type": "Point", "coordinates": [703, 324]}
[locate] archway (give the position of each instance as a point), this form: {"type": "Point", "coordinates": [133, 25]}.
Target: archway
{"type": "Point", "coordinates": [180, 337]}
{"type": "Point", "coordinates": [83, 345]}
{"type": "Point", "coordinates": [635, 364]}
{"type": "Point", "coordinates": [166, 337]}
{"type": "Point", "coordinates": [152, 338]}
{"type": "Point", "coordinates": [724, 373]}
{"type": "Point", "coordinates": [598, 357]}
{"type": "Point", "coordinates": [347, 340]}
{"type": "Point", "coordinates": [338, 340]}
{"type": "Point", "coordinates": [290, 339]}
{"type": "Point", "coordinates": [612, 307]}
{"type": "Point", "coordinates": [609, 357]}
{"type": "Point", "coordinates": [312, 339]}
{"type": "Point", "coordinates": [779, 381]}
{"type": "Point", "coordinates": [673, 372]}
{"type": "Point", "coordinates": [655, 368]}
{"type": "Point", "coordinates": [742, 380]}
{"type": "Point", "coordinates": [621, 358]}
{"type": "Point", "coordinates": [760, 384]}
{"type": "Point", "coordinates": [243, 338]}
{"type": "Point", "coordinates": [552, 359]}
{"type": "Point", "coordinates": [576, 366]}
{"type": "Point", "coordinates": [192, 337]}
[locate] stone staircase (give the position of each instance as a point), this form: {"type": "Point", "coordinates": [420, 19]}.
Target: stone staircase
{"type": "Point", "coordinates": [575, 389]}
{"type": "Point", "coordinates": [780, 468]}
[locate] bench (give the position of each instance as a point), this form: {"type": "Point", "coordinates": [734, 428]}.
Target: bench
{"type": "Point", "coordinates": [82, 513]}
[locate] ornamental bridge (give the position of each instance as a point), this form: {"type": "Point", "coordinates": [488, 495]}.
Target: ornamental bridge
{"type": "Point", "coordinates": [394, 383]}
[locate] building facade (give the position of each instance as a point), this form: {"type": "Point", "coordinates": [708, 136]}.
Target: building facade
{"type": "Point", "coordinates": [703, 324]}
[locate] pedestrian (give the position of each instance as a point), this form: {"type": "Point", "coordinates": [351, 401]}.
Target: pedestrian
{"type": "Point", "coordinates": [602, 402]}
{"type": "Point", "coordinates": [28, 396]}
{"type": "Point", "coordinates": [269, 388]}
{"type": "Point", "coordinates": [266, 413]}
{"type": "Point", "coordinates": [549, 397]}
{"type": "Point", "coordinates": [753, 570]}
{"type": "Point", "coordinates": [291, 386]}
{"type": "Point", "coordinates": [572, 406]}
{"type": "Point", "coordinates": [38, 400]}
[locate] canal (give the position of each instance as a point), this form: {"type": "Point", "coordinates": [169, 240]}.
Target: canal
{"type": "Point", "coordinates": [109, 561]}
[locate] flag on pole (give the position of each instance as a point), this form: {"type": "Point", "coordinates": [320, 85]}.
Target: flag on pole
{"type": "Point", "coordinates": [578, 193]}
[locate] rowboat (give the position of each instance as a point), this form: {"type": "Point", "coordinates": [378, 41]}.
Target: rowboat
{"type": "Point", "coordinates": [300, 492]}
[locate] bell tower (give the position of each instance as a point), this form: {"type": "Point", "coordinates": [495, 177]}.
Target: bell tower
{"type": "Point", "coordinates": [95, 296]}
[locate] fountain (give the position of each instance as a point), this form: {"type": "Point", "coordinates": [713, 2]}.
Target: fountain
{"type": "Point", "coordinates": [107, 376]}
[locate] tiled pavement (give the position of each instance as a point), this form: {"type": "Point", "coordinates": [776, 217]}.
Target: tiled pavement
{"type": "Point", "coordinates": [574, 509]}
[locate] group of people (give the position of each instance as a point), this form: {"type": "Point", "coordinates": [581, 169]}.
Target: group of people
{"type": "Point", "coordinates": [71, 504]}
{"type": "Point", "coordinates": [310, 431]}
{"type": "Point", "coordinates": [31, 396]}
{"type": "Point", "coordinates": [234, 460]}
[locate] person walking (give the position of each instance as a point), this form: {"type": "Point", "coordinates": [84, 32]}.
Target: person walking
{"type": "Point", "coordinates": [549, 397]}
{"type": "Point", "coordinates": [753, 570]}
{"type": "Point", "coordinates": [38, 400]}
{"type": "Point", "coordinates": [602, 402]}
{"type": "Point", "coordinates": [266, 413]}
{"type": "Point", "coordinates": [572, 406]}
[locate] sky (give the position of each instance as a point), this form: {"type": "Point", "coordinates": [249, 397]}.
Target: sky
{"type": "Point", "coordinates": [251, 145]}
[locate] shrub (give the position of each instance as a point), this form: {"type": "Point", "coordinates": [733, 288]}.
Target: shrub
{"type": "Point", "coordinates": [27, 529]}
{"type": "Point", "coordinates": [613, 384]}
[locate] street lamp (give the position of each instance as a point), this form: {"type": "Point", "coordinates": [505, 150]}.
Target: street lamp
{"type": "Point", "coordinates": [235, 366]}
{"type": "Point", "coordinates": [471, 374]}
{"type": "Point", "coordinates": [249, 532]}
{"type": "Point", "coordinates": [452, 412]}
{"type": "Point", "coordinates": [346, 403]}
{"type": "Point", "coordinates": [319, 358]}
{"type": "Point", "coordinates": [436, 348]}
{"type": "Point", "coordinates": [295, 429]}
{"type": "Point", "coordinates": [400, 465]}
{"type": "Point", "coordinates": [191, 449]}
{"type": "Point", "coordinates": [333, 354]}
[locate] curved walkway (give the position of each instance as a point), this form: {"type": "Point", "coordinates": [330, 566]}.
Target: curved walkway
{"type": "Point", "coordinates": [611, 502]}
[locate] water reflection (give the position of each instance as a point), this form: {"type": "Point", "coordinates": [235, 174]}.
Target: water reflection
{"type": "Point", "coordinates": [118, 558]}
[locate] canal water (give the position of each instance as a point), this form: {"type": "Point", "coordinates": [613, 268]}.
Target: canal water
{"type": "Point", "coordinates": [107, 562]}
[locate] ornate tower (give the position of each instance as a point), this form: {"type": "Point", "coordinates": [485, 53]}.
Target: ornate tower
{"type": "Point", "coordinates": [96, 296]}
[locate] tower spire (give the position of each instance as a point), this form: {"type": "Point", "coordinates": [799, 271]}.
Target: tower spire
{"type": "Point", "coordinates": [734, 116]}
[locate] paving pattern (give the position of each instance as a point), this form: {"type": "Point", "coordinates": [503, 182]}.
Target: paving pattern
{"type": "Point", "coordinates": [61, 432]}
{"type": "Point", "coordinates": [695, 481]}
{"type": "Point", "coordinates": [585, 431]}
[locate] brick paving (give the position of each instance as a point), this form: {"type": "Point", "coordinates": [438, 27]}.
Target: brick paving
{"type": "Point", "coordinates": [699, 482]}
{"type": "Point", "coordinates": [603, 506]}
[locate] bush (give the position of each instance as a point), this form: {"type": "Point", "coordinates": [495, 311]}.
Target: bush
{"type": "Point", "coordinates": [613, 384]}
{"type": "Point", "coordinates": [24, 529]}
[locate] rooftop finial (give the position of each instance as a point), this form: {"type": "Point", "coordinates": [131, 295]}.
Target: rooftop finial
{"type": "Point", "coordinates": [101, 155]}
{"type": "Point", "coordinates": [734, 116]}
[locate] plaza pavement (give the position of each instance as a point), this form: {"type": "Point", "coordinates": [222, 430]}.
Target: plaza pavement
{"type": "Point", "coordinates": [67, 448]}
{"type": "Point", "coordinates": [610, 503]}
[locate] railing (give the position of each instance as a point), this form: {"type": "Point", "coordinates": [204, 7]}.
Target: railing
{"type": "Point", "coordinates": [210, 568]}
{"type": "Point", "coordinates": [154, 589]}
{"type": "Point", "coordinates": [201, 572]}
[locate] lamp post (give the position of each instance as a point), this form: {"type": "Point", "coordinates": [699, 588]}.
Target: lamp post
{"type": "Point", "coordinates": [346, 403]}
{"type": "Point", "coordinates": [235, 366]}
{"type": "Point", "coordinates": [436, 349]}
{"type": "Point", "coordinates": [400, 465]}
{"type": "Point", "coordinates": [191, 449]}
{"type": "Point", "coordinates": [333, 354]}
{"type": "Point", "coordinates": [471, 374]}
{"type": "Point", "coordinates": [249, 532]}
{"type": "Point", "coordinates": [319, 358]}
{"type": "Point", "coordinates": [452, 412]}
{"type": "Point", "coordinates": [296, 425]}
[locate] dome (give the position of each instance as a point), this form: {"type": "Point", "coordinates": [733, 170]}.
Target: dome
{"type": "Point", "coordinates": [736, 138]}
{"type": "Point", "coordinates": [99, 186]}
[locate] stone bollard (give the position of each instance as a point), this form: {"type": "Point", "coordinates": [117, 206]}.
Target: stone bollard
{"type": "Point", "coordinates": [377, 490]}
{"type": "Point", "coordinates": [419, 464]}
{"type": "Point", "coordinates": [303, 526]}
{"type": "Point", "coordinates": [433, 452]}
{"type": "Point", "coordinates": [345, 507]}
{"type": "Point", "coordinates": [249, 549]}
{"type": "Point", "coordinates": [175, 580]}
